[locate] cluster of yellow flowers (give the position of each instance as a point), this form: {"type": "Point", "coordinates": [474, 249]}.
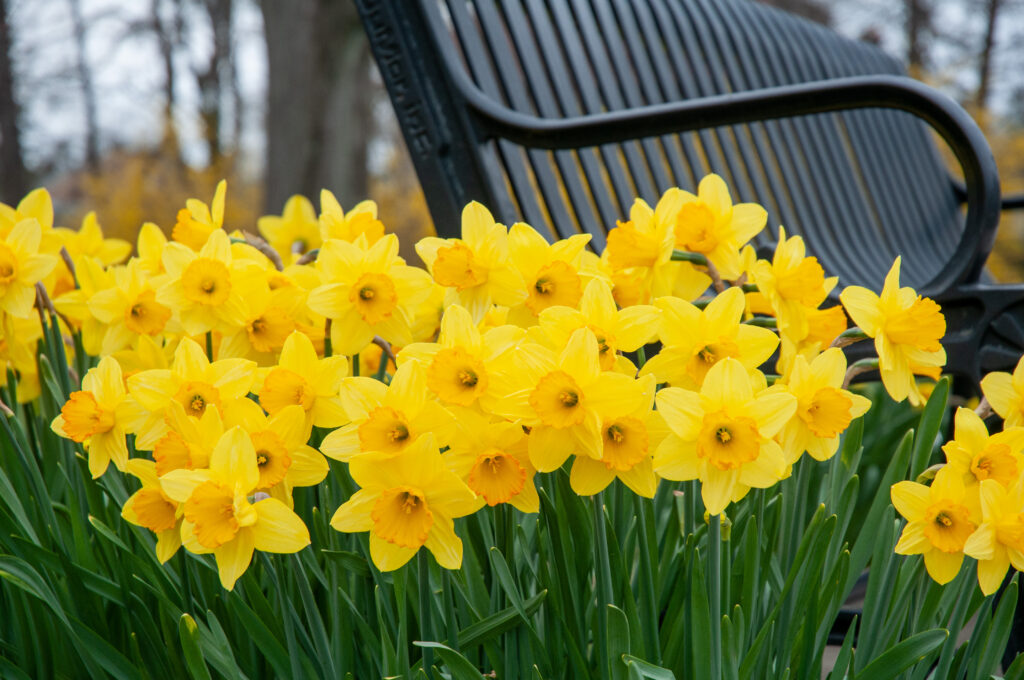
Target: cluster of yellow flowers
{"type": "Point", "coordinates": [975, 504]}
{"type": "Point", "coordinates": [221, 352]}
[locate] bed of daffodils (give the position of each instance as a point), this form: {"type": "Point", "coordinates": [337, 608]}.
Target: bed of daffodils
{"type": "Point", "coordinates": [293, 454]}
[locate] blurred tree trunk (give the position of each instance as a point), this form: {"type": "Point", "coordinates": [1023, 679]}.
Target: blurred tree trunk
{"type": "Point", "coordinates": [13, 175]}
{"type": "Point", "coordinates": [918, 29]}
{"type": "Point", "coordinates": [213, 102]}
{"type": "Point", "coordinates": [318, 111]}
{"type": "Point", "coordinates": [92, 130]}
{"type": "Point", "coordinates": [992, 8]}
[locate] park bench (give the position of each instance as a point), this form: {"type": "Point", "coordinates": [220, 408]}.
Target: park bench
{"type": "Point", "coordinates": [560, 112]}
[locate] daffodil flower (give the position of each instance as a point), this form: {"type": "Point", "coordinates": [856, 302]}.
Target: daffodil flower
{"type": "Point", "coordinates": [361, 220]}
{"type": "Point", "coordinates": [824, 409]}
{"type": "Point", "coordinates": [976, 455]}
{"type": "Point", "coordinates": [151, 508]}
{"type": "Point", "coordinates": [550, 271]}
{"type": "Point", "coordinates": [387, 419]}
{"type": "Point", "coordinates": [208, 289]}
{"type": "Point", "coordinates": [722, 435]}
{"type": "Point", "coordinates": [192, 381]}
{"type": "Point", "coordinates": [998, 541]}
{"type": "Point", "coordinates": [285, 460]}
{"type": "Point", "coordinates": [477, 267]}
{"type": "Point", "coordinates": [1005, 392]}
{"type": "Point", "coordinates": [220, 515]}
{"type": "Point", "coordinates": [459, 364]}
{"type": "Point", "coordinates": [792, 283]}
{"type": "Point", "coordinates": [294, 232]}
{"type": "Point", "coordinates": [625, 330]}
{"type": "Point", "coordinates": [695, 340]}
{"type": "Point", "coordinates": [21, 267]}
{"type": "Point", "coordinates": [907, 329]}
{"type": "Point", "coordinates": [406, 503]}
{"type": "Point", "coordinates": [561, 397]}
{"type": "Point", "coordinates": [491, 457]}
{"type": "Point", "coordinates": [95, 417]}
{"type": "Point", "coordinates": [628, 441]}
{"type": "Point", "coordinates": [128, 308]}
{"type": "Point", "coordinates": [304, 379]}
{"type": "Point", "coordinates": [196, 221]}
{"type": "Point", "coordinates": [367, 291]}
{"type": "Point", "coordinates": [939, 522]}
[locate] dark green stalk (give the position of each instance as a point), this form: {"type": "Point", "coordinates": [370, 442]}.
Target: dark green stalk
{"type": "Point", "coordinates": [648, 599]}
{"type": "Point", "coordinates": [209, 345]}
{"type": "Point", "coordinates": [423, 586]}
{"type": "Point", "coordinates": [328, 344]}
{"type": "Point", "coordinates": [355, 363]}
{"type": "Point", "coordinates": [715, 594]}
{"type": "Point", "coordinates": [604, 585]}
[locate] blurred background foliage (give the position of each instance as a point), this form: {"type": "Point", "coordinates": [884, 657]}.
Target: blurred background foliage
{"type": "Point", "coordinates": [129, 108]}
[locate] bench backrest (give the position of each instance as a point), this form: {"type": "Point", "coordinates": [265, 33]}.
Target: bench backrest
{"type": "Point", "coordinates": [861, 186]}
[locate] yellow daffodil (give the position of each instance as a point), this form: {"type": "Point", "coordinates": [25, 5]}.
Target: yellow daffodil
{"type": "Point", "coordinates": [196, 221]}
{"type": "Point", "coordinates": [208, 289]}
{"type": "Point", "coordinates": [824, 409]}
{"type": "Point", "coordinates": [284, 459]}
{"type": "Point", "coordinates": [976, 455]}
{"type": "Point", "coordinates": [616, 330]}
{"type": "Point", "coordinates": [628, 441]}
{"type": "Point", "coordinates": [549, 271]}
{"type": "Point", "coordinates": [95, 417]}
{"type": "Point", "coordinates": [18, 353]}
{"type": "Point", "coordinates": [73, 304]}
{"type": "Point", "coordinates": [36, 205]}
{"type": "Point", "coordinates": [561, 396]}
{"type": "Point", "coordinates": [696, 340]}
{"type": "Point", "coordinates": [458, 365]}
{"type": "Point", "coordinates": [823, 326]}
{"type": "Point", "coordinates": [476, 267]}
{"type": "Point", "coordinates": [907, 329]}
{"type": "Point", "coordinates": [367, 291]}
{"type": "Point", "coordinates": [192, 381]}
{"type": "Point", "coordinates": [998, 541]}
{"type": "Point", "coordinates": [1005, 392]}
{"type": "Point", "coordinates": [21, 267]}
{"type": "Point", "coordinates": [722, 435]}
{"type": "Point", "coordinates": [270, 320]}
{"type": "Point", "coordinates": [150, 249]}
{"type": "Point", "coordinates": [128, 308]}
{"type": "Point", "coordinates": [639, 253]}
{"type": "Point", "coordinates": [151, 508]}
{"type": "Point", "coordinates": [939, 522]}
{"type": "Point", "coordinates": [361, 220]}
{"type": "Point", "coordinates": [491, 457]}
{"type": "Point", "coordinates": [89, 241]}
{"type": "Point", "coordinates": [302, 378]}
{"type": "Point", "coordinates": [406, 503]}
{"type": "Point", "coordinates": [189, 441]}
{"type": "Point", "coordinates": [294, 232]}
{"type": "Point", "coordinates": [220, 516]}
{"type": "Point", "coordinates": [710, 224]}
{"type": "Point", "coordinates": [387, 419]}
{"type": "Point", "coordinates": [792, 283]}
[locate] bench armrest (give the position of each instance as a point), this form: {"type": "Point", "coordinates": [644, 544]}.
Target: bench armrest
{"type": "Point", "coordinates": [1011, 202]}
{"type": "Point", "coordinates": [953, 124]}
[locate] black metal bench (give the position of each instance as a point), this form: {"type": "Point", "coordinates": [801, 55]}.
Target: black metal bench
{"type": "Point", "coordinates": [560, 112]}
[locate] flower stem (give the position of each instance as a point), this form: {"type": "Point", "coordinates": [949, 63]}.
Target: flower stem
{"type": "Point", "coordinates": [209, 345]}
{"type": "Point", "coordinates": [328, 343]}
{"type": "Point", "coordinates": [715, 594]}
{"type": "Point", "coordinates": [423, 586]}
{"type": "Point", "coordinates": [649, 622]}
{"type": "Point", "coordinates": [604, 586]}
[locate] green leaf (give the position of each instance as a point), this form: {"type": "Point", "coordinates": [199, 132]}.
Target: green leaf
{"type": "Point", "coordinates": [459, 665]}
{"type": "Point", "coordinates": [646, 670]}
{"type": "Point", "coordinates": [188, 631]}
{"type": "Point", "coordinates": [995, 644]}
{"type": "Point", "coordinates": [900, 657]}
{"type": "Point", "coordinates": [497, 623]}
{"type": "Point", "coordinates": [928, 427]}
{"type": "Point", "coordinates": [349, 561]}
{"type": "Point", "coordinates": [268, 645]}
{"type": "Point", "coordinates": [618, 641]}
